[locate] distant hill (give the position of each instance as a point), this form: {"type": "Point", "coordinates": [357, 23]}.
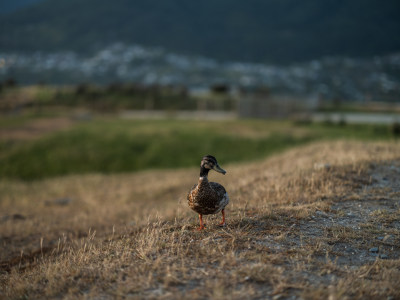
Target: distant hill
{"type": "Point", "coordinates": [10, 6]}
{"type": "Point", "coordinates": [272, 31]}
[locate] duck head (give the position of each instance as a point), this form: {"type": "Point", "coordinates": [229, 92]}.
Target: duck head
{"type": "Point", "coordinates": [208, 163]}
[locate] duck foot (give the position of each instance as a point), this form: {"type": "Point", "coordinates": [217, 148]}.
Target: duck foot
{"type": "Point", "coordinates": [202, 225]}
{"type": "Point", "coordinates": [222, 224]}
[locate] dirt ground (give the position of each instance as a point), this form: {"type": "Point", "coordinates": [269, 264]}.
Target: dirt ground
{"type": "Point", "coordinates": [357, 230]}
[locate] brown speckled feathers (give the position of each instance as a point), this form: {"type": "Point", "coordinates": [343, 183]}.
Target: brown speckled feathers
{"type": "Point", "coordinates": [207, 197]}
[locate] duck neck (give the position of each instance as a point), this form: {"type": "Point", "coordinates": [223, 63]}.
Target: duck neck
{"type": "Point", "coordinates": [203, 172]}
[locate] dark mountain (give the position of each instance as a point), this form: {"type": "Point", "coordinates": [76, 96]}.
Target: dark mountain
{"type": "Point", "coordinates": [273, 31]}
{"type": "Point", "coordinates": [12, 5]}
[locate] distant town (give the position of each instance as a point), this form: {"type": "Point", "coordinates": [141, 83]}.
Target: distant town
{"type": "Point", "coordinates": [330, 78]}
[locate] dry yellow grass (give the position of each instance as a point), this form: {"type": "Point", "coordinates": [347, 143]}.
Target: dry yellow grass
{"type": "Point", "coordinates": [301, 224]}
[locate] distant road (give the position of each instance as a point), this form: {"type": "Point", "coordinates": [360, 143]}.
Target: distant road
{"type": "Point", "coordinates": [182, 115]}
{"type": "Point", "coordinates": [356, 118]}
{"type": "Point", "coordinates": [350, 118]}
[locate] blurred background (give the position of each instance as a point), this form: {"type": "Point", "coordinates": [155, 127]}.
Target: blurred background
{"type": "Point", "coordinates": [118, 86]}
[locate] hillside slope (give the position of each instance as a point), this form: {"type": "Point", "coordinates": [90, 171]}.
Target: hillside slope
{"type": "Point", "coordinates": [264, 31]}
{"type": "Point", "coordinates": [317, 222]}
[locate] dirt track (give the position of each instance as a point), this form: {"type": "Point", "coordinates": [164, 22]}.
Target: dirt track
{"type": "Point", "coordinates": [35, 129]}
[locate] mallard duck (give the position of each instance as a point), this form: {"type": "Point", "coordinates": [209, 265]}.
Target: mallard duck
{"type": "Point", "coordinates": [206, 197]}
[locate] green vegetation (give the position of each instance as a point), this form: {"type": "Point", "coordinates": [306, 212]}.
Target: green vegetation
{"type": "Point", "coordinates": [110, 145]}
{"type": "Point", "coordinates": [123, 96]}
{"type": "Point", "coordinates": [111, 98]}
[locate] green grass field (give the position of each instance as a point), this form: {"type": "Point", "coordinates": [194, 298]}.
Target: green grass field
{"type": "Point", "coordinates": [112, 145]}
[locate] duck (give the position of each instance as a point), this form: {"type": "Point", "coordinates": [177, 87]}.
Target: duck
{"type": "Point", "coordinates": [207, 197]}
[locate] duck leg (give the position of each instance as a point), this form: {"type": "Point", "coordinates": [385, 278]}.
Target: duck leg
{"type": "Point", "coordinates": [201, 222]}
{"type": "Point", "coordinates": [223, 218]}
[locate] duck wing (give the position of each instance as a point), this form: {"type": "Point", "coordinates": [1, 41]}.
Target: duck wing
{"type": "Point", "coordinates": [219, 189]}
{"type": "Point", "coordinates": [223, 198]}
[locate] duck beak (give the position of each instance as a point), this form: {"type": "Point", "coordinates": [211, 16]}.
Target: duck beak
{"type": "Point", "coordinates": [219, 169]}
